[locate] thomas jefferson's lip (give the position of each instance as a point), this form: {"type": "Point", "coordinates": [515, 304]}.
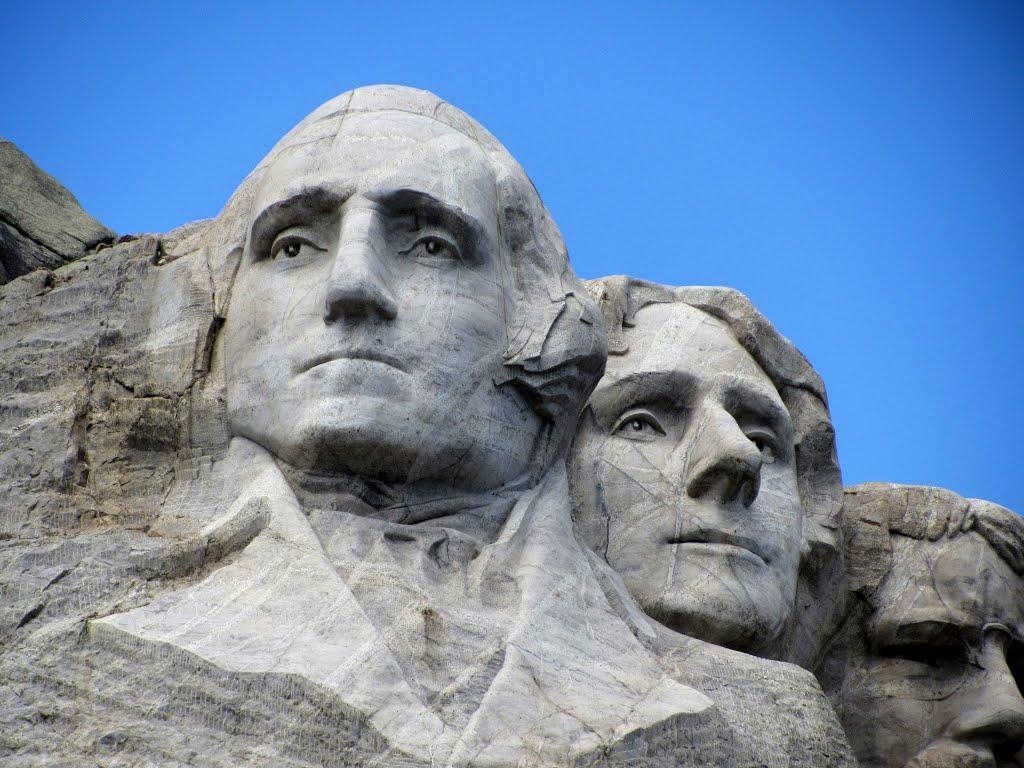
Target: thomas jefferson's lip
{"type": "Point", "coordinates": [722, 539]}
{"type": "Point", "coordinates": [372, 355]}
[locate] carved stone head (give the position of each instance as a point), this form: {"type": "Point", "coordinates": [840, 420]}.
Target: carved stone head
{"type": "Point", "coordinates": [403, 309]}
{"type": "Point", "coordinates": [704, 468]}
{"type": "Point", "coordinates": [930, 669]}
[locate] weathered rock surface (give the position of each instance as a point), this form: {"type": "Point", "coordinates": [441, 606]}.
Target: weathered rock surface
{"type": "Point", "coordinates": [929, 667]}
{"type": "Point", "coordinates": [41, 223]}
{"type": "Point", "coordinates": [107, 379]}
{"type": "Point", "coordinates": [184, 586]}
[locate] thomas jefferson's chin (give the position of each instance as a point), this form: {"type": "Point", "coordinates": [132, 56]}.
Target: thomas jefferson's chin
{"type": "Point", "coordinates": [949, 754]}
{"type": "Point", "coordinates": [751, 625]}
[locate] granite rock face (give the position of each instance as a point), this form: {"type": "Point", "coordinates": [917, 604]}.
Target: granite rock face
{"type": "Point", "coordinates": [704, 470]}
{"type": "Point", "coordinates": [929, 669]}
{"type": "Point", "coordinates": [290, 487]}
{"type": "Point", "coordinates": [41, 223]}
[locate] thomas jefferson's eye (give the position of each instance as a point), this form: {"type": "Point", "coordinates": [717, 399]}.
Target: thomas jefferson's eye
{"type": "Point", "coordinates": [766, 444]}
{"type": "Point", "coordinates": [638, 425]}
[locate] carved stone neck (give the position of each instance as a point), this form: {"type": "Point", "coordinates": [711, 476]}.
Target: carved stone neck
{"type": "Point", "coordinates": [479, 515]}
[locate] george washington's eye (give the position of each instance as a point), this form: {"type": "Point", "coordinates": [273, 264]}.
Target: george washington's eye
{"type": "Point", "coordinates": [293, 246]}
{"type": "Point", "coordinates": [638, 425]}
{"type": "Point", "coordinates": [433, 247]}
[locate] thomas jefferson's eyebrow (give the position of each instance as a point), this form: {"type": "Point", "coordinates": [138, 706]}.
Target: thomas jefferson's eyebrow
{"type": "Point", "coordinates": [312, 201]}
{"type": "Point", "coordinates": [747, 398]}
{"type": "Point", "coordinates": [673, 388]}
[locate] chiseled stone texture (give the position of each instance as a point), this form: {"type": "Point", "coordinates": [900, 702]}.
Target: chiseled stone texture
{"type": "Point", "coordinates": [195, 570]}
{"type": "Point", "coordinates": [928, 671]}
{"type": "Point", "coordinates": [41, 223]}
{"type": "Point", "coordinates": [704, 470]}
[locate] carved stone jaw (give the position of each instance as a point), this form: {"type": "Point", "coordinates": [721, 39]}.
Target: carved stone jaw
{"type": "Point", "coordinates": [684, 477]}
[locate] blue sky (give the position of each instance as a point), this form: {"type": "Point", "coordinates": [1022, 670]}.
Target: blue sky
{"type": "Point", "coordinates": [856, 168]}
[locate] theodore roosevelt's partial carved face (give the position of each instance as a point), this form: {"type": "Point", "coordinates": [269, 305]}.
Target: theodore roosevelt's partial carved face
{"type": "Point", "coordinates": [366, 324]}
{"type": "Point", "coordinates": [686, 453]}
{"type": "Point", "coordinates": [937, 681]}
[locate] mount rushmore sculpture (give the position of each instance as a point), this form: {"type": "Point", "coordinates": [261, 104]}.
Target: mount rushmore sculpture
{"type": "Point", "coordinates": [361, 473]}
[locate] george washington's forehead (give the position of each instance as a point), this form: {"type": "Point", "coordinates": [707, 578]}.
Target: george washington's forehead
{"type": "Point", "coordinates": [379, 153]}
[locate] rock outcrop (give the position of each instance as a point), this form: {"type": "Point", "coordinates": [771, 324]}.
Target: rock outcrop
{"type": "Point", "coordinates": [41, 223]}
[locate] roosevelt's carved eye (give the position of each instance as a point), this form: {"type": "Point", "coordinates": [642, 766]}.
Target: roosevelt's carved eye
{"type": "Point", "coordinates": [638, 425]}
{"type": "Point", "coordinates": [937, 655]}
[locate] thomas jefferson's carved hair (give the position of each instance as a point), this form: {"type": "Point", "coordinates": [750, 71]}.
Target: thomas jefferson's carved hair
{"type": "Point", "coordinates": [802, 391]}
{"type": "Point", "coordinates": [555, 345]}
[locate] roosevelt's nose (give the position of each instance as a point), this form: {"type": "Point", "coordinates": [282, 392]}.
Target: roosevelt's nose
{"type": "Point", "coordinates": [992, 711]}
{"type": "Point", "coordinates": [358, 286]}
{"type": "Point", "coordinates": [724, 464]}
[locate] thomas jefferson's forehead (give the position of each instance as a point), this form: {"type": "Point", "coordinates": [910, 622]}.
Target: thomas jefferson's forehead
{"type": "Point", "coordinates": [673, 337]}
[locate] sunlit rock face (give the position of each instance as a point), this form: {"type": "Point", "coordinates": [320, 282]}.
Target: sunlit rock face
{"type": "Point", "coordinates": [704, 471]}
{"type": "Point", "coordinates": [929, 670]}
{"type": "Point", "coordinates": [42, 226]}
{"type": "Point", "coordinates": [288, 487]}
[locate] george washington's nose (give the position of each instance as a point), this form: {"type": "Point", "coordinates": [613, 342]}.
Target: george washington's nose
{"type": "Point", "coordinates": [357, 286]}
{"type": "Point", "coordinates": [725, 465]}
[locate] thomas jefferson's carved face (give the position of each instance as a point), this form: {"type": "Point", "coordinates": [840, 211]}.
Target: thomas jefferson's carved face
{"type": "Point", "coordinates": [366, 323]}
{"type": "Point", "coordinates": [939, 685]}
{"type": "Point", "coordinates": [687, 450]}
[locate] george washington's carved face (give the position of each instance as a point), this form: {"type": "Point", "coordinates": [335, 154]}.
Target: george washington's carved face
{"type": "Point", "coordinates": [366, 324]}
{"type": "Point", "coordinates": [686, 451]}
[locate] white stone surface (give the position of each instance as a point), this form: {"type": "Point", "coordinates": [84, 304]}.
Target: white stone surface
{"type": "Point", "coordinates": [288, 488]}
{"type": "Point", "coordinates": [704, 471]}
{"type": "Point", "coordinates": [930, 667]}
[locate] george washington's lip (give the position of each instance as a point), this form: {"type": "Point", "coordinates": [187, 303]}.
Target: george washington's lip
{"type": "Point", "coordinates": [371, 355]}
{"type": "Point", "coordinates": [724, 540]}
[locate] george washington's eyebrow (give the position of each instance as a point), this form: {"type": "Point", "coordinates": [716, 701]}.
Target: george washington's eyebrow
{"type": "Point", "coordinates": [309, 202]}
{"type": "Point", "coordinates": [432, 210]}
{"type": "Point", "coordinates": [316, 201]}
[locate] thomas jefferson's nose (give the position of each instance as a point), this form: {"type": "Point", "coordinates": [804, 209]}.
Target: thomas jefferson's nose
{"type": "Point", "coordinates": [725, 464]}
{"type": "Point", "coordinates": [357, 287]}
{"type": "Point", "coordinates": [993, 710]}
